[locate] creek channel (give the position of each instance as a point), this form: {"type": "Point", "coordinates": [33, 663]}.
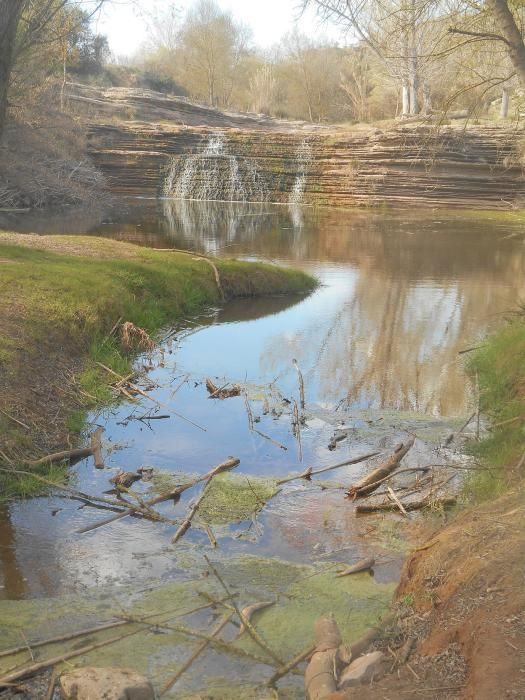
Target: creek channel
{"type": "Point", "coordinates": [401, 294]}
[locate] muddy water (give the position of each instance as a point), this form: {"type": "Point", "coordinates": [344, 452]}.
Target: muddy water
{"type": "Point", "coordinates": [401, 294]}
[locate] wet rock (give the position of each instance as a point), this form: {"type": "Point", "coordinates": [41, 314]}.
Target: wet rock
{"type": "Point", "coordinates": [92, 683]}
{"type": "Point", "coordinates": [362, 670]}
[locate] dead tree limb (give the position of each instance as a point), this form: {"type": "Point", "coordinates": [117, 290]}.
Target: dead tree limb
{"type": "Point", "coordinates": [70, 455]}
{"type": "Point", "coordinates": [368, 484]}
{"type": "Point", "coordinates": [309, 472]}
{"type": "Point", "coordinates": [35, 668]}
{"type": "Point", "coordinates": [167, 495]}
{"type": "Point", "coordinates": [247, 624]}
{"type": "Point", "coordinates": [415, 505]}
{"type": "Point", "coordinates": [186, 524]}
{"type": "Point", "coordinates": [280, 673]}
{"type": "Point", "coordinates": [96, 447]}
{"type": "Point", "coordinates": [198, 651]}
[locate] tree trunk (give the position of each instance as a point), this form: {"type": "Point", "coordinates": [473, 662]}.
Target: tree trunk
{"type": "Point", "coordinates": [427, 99]}
{"type": "Point", "coordinates": [10, 11]}
{"type": "Point", "coordinates": [405, 99]}
{"type": "Point", "coordinates": [504, 111]}
{"type": "Point", "coordinates": [413, 93]}
{"type": "Point", "coordinates": [512, 35]}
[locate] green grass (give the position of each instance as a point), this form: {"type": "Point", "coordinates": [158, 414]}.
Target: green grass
{"type": "Point", "coordinates": [75, 299]}
{"type": "Point", "coordinates": [27, 486]}
{"type": "Point", "coordinates": [500, 366]}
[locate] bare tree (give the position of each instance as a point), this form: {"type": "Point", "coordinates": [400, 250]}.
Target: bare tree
{"type": "Point", "coordinates": [23, 26]}
{"type": "Point", "coordinates": [497, 22]}
{"type": "Point", "coordinates": [10, 12]}
{"type": "Point", "coordinates": [211, 47]}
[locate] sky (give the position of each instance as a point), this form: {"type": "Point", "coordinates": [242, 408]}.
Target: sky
{"type": "Point", "coordinates": [123, 22]}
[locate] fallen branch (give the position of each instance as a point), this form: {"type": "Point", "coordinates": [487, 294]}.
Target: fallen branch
{"type": "Point", "coordinates": [71, 455]}
{"type": "Point", "coordinates": [167, 495]}
{"type": "Point", "coordinates": [368, 484]}
{"type": "Point", "coordinates": [100, 628]}
{"type": "Point", "coordinates": [415, 505]}
{"type": "Point", "coordinates": [186, 524]}
{"type": "Point", "coordinates": [15, 420]}
{"type": "Point", "coordinates": [211, 536]}
{"type": "Point", "coordinates": [363, 565]}
{"type": "Point", "coordinates": [219, 643]}
{"type": "Point", "coordinates": [247, 624]}
{"type": "Point", "coordinates": [198, 651]}
{"type": "Point", "coordinates": [290, 666]}
{"type": "Point", "coordinates": [35, 668]}
{"type": "Point", "coordinates": [96, 448]}
{"type": "Point", "coordinates": [453, 436]}
{"type": "Point", "coordinates": [396, 500]}
{"type": "Point", "coordinates": [138, 390]}
{"type": "Point", "coordinates": [309, 472]}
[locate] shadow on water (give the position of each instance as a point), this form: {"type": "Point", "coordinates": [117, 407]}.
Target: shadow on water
{"type": "Point", "coordinates": [402, 293]}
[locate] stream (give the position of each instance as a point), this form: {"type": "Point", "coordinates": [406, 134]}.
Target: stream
{"type": "Point", "coordinates": [401, 294]}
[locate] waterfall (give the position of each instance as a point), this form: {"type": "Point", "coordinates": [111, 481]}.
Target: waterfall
{"type": "Point", "coordinates": [215, 175]}
{"type": "Point", "coordinates": [304, 160]}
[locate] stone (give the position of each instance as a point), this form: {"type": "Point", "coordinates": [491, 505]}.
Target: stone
{"type": "Point", "coordinates": [92, 683]}
{"type": "Point", "coordinates": [362, 670]}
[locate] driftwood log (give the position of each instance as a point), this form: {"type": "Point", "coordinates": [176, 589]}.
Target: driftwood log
{"type": "Point", "coordinates": [415, 505]}
{"type": "Point", "coordinates": [320, 676]}
{"type": "Point", "coordinates": [372, 481]}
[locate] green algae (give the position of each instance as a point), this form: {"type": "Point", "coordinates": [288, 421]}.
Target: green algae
{"type": "Point", "coordinates": [301, 594]}
{"type": "Point", "coordinates": [234, 498]}
{"type": "Point", "coordinates": [357, 602]}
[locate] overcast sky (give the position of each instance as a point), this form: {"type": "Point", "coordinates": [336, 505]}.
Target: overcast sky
{"type": "Point", "coordinates": [122, 21]}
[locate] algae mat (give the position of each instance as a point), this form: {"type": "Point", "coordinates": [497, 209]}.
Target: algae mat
{"type": "Point", "coordinates": [301, 593]}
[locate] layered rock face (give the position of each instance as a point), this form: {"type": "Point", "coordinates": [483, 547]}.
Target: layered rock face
{"type": "Point", "coordinates": [455, 166]}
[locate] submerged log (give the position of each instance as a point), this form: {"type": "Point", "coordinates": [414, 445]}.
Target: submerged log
{"type": "Point", "coordinates": [372, 481]}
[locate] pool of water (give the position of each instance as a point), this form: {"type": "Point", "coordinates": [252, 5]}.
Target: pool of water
{"type": "Point", "coordinates": [401, 294]}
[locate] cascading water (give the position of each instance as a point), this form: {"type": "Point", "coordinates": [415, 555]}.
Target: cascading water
{"type": "Point", "coordinates": [214, 174]}
{"type": "Point", "coordinates": [304, 161]}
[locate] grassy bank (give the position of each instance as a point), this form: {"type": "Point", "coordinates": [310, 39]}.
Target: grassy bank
{"type": "Point", "coordinates": [500, 367]}
{"type": "Point", "coordinates": [61, 296]}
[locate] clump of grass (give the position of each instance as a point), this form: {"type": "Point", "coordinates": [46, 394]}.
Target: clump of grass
{"type": "Point", "coordinates": [26, 486]}
{"type": "Point", "coordinates": [500, 366]}
{"type": "Point", "coordinates": [233, 498]}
